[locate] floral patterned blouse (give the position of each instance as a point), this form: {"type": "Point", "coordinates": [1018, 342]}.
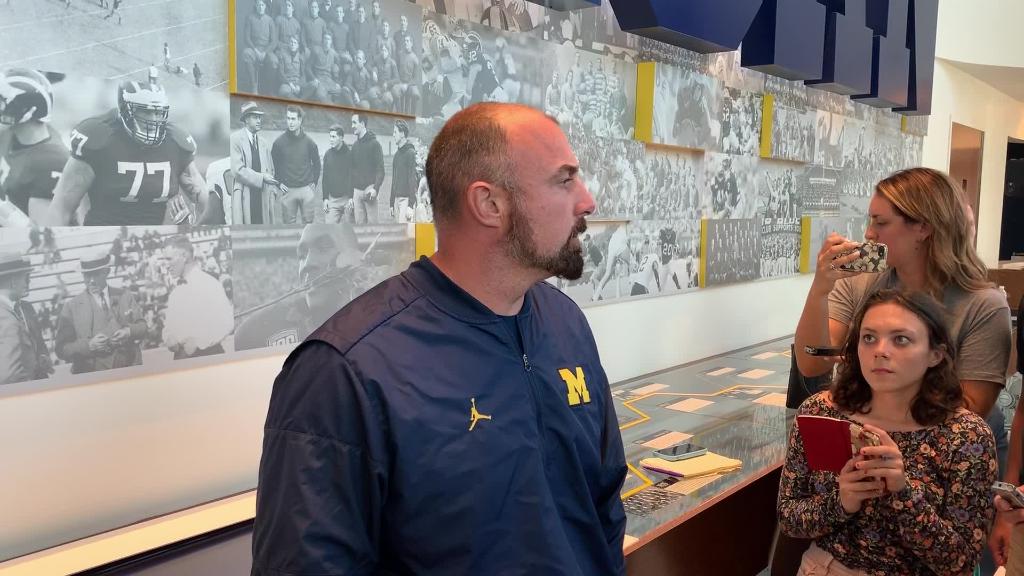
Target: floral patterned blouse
{"type": "Point", "coordinates": [937, 524]}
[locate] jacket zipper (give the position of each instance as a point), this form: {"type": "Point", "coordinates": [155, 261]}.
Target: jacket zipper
{"type": "Point", "coordinates": [532, 386]}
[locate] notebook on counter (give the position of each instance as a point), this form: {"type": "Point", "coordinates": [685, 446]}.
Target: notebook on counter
{"type": "Point", "coordinates": [709, 463]}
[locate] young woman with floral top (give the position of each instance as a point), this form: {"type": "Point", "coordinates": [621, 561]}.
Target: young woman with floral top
{"type": "Point", "coordinates": [920, 503]}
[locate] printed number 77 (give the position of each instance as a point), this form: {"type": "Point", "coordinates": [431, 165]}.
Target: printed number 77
{"type": "Point", "coordinates": [138, 169]}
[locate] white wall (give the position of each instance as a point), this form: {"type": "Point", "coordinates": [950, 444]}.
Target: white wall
{"type": "Point", "coordinates": [980, 31]}
{"type": "Point", "coordinates": [962, 98]}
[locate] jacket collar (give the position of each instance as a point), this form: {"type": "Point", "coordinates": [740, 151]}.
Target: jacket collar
{"type": "Point", "coordinates": [451, 298]}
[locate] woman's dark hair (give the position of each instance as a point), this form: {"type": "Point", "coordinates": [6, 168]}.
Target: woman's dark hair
{"type": "Point", "coordinates": [940, 394]}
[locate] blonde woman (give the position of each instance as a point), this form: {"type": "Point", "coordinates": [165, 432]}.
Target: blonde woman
{"type": "Point", "coordinates": [920, 215]}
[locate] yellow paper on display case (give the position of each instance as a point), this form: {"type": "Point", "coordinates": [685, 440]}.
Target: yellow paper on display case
{"type": "Point", "coordinates": [709, 463]}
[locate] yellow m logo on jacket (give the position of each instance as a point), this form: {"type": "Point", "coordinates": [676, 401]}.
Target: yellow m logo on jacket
{"type": "Point", "coordinates": [576, 386]}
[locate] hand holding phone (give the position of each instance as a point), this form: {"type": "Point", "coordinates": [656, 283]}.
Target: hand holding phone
{"type": "Point", "coordinates": [1009, 493]}
{"type": "Point", "coordinates": [872, 259]}
{"type": "Point", "coordinates": [680, 451]}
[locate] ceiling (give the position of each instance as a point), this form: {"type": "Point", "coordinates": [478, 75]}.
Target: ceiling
{"type": "Point", "coordinates": [1007, 79]}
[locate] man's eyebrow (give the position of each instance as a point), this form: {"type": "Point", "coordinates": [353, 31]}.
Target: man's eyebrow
{"type": "Point", "coordinates": [568, 170]}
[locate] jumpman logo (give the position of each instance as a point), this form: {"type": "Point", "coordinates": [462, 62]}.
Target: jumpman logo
{"type": "Point", "coordinates": [475, 416]}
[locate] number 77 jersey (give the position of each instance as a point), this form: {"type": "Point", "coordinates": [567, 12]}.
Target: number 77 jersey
{"type": "Point", "coordinates": [132, 181]}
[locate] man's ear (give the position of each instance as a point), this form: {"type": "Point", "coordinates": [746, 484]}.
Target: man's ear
{"type": "Point", "coordinates": [487, 204]}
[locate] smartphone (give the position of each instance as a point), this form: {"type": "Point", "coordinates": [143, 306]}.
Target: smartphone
{"type": "Point", "coordinates": [681, 451]}
{"type": "Point", "coordinates": [1009, 493]}
{"type": "Point", "coordinates": [872, 258]}
{"type": "Point", "coordinates": [823, 350]}
{"type": "Point", "coordinates": [861, 438]}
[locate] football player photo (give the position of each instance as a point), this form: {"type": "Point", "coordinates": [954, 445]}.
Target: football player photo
{"type": "Point", "coordinates": [32, 152]}
{"type": "Point", "coordinates": [76, 150]}
{"type": "Point", "coordinates": [131, 163]}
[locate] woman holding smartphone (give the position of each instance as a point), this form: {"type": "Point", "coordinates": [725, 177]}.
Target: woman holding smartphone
{"type": "Point", "coordinates": [919, 503]}
{"type": "Point", "coordinates": [920, 215]}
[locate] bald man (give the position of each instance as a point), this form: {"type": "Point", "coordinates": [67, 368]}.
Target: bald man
{"type": "Point", "coordinates": [456, 418]}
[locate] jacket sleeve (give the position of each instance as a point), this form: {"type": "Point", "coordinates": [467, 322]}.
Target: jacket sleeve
{"type": "Point", "coordinates": [68, 345]}
{"type": "Point", "coordinates": [314, 153]}
{"type": "Point", "coordinates": [613, 469]}
{"type": "Point", "coordinates": [12, 369]}
{"type": "Point", "coordinates": [613, 474]}
{"type": "Point", "coordinates": [323, 473]}
{"type": "Point", "coordinates": [243, 173]}
{"type": "Point", "coordinates": [378, 166]}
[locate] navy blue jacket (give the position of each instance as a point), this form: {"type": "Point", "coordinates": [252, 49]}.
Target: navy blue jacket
{"type": "Point", "coordinates": [373, 463]}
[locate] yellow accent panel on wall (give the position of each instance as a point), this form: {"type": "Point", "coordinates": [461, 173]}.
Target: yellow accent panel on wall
{"type": "Point", "coordinates": [645, 100]}
{"type": "Point", "coordinates": [767, 114]}
{"type": "Point", "coordinates": [426, 240]}
{"type": "Point", "coordinates": [703, 267]}
{"type": "Point", "coordinates": [805, 244]}
{"type": "Point", "coordinates": [232, 69]}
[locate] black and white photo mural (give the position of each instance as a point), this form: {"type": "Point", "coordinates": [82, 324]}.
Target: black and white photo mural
{"type": "Point", "coordinates": [780, 247]}
{"type": "Point", "coordinates": [125, 300]}
{"type": "Point", "coordinates": [185, 41]}
{"type": "Point", "coordinates": [731, 185]}
{"type": "Point", "coordinates": [81, 150]}
{"type": "Point", "coordinates": [687, 108]}
{"type": "Point", "coordinates": [733, 251]}
{"type": "Point", "coordinates": [291, 279]}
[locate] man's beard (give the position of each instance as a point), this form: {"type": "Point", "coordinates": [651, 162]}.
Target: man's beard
{"type": "Point", "coordinates": [520, 246]}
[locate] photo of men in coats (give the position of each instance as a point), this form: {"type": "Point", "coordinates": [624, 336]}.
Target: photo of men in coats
{"type": "Point", "coordinates": [100, 328]}
{"type": "Point", "coordinates": [23, 354]}
{"type": "Point", "coordinates": [254, 192]}
{"type": "Point", "coordinates": [368, 169]}
{"type": "Point", "coordinates": [80, 301]}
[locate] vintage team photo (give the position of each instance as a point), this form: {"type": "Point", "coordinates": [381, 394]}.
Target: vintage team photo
{"type": "Point", "coordinates": [733, 251]}
{"type": "Point", "coordinates": [818, 189]}
{"type": "Point", "coordinates": [356, 53]}
{"type": "Point", "coordinates": [78, 150]}
{"type": "Point", "coordinates": [83, 300]}
{"type": "Point", "coordinates": [780, 247]}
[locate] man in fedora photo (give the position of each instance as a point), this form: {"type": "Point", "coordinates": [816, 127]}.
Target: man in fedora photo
{"type": "Point", "coordinates": [23, 353]}
{"type": "Point", "coordinates": [254, 191]}
{"type": "Point", "coordinates": [101, 327]}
